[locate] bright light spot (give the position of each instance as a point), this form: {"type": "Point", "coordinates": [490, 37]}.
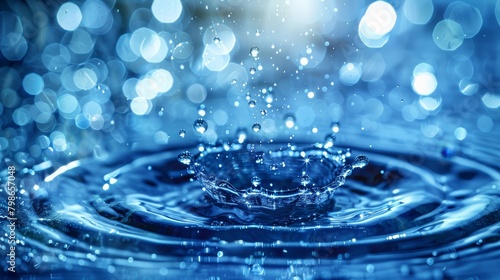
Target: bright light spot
{"type": "Point", "coordinates": [214, 61]}
{"type": "Point", "coordinates": [430, 130]}
{"type": "Point", "coordinates": [491, 100]}
{"type": "Point", "coordinates": [163, 78]}
{"type": "Point", "coordinates": [448, 35]}
{"type": "Point", "coordinates": [81, 42]}
{"type": "Point", "coordinates": [196, 93]}
{"type": "Point", "coordinates": [161, 137]}
{"type": "Point", "coordinates": [85, 78]}
{"type": "Point", "coordinates": [146, 43]}
{"type": "Point", "coordinates": [147, 88]}
{"type": "Point", "coordinates": [124, 48]}
{"type": "Point", "coordinates": [429, 103]}
{"type": "Point", "coordinates": [92, 110]}
{"type": "Point", "coordinates": [467, 16]}
{"type": "Point", "coordinates": [166, 11]}
{"type": "Point", "coordinates": [378, 20]}
{"type": "Point", "coordinates": [219, 40]}
{"type": "Point", "coordinates": [350, 74]}
{"type": "Point", "coordinates": [304, 12]}
{"type": "Point", "coordinates": [67, 103]}
{"type": "Point", "coordinates": [460, 133]}
{"type": "Point", "coordinates": [289, 122]}
{"type": "Point", "coordinates": [310, 94]}
{"type": "Point", "coordinates": [424, 83]}
{"type": "Point", "coordinates": [156, 81]}
{"type": "Point", "coordinates": [21, 116]}
{"type": "Point", "coordinates": [69, 16]}
{"type": "Point", "coordinates": [33, 83]}
{"type": "Point", "coordinates": [105, 187]}
{"type": "Point", "coordinates": [418, 11]}
{"type": "Point", "coordinates": [140, 106]}
{"type": "Point", "coordinates": [304, 61]}
{"type": "Point", "coordinates": [95, 14]}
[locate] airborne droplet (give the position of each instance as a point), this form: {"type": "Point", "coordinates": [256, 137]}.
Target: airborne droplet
{"type": "Point", "coordinates": [241, 135]}
{"type": "Point", "coordinates": [305, 180]}
{"type": "Point", "coordinates": [360, 161]}
{"type": "Point", "coordinates": [200, 125]}
{"type": "Point", "coordinates": [256, 127]}
{"type": "Point", "coordinates": [182, 133]}
{"type": "Point", "coordinates": [329, 141]}
{"type": "Point", "coordinates": [185, 158]}
{"type": "Point", "coordinates": [254, 51]}
{"type": "Point", "coordinates": [256, 181]}
{"type": "Point", "coordinates": [289, 121]}
{"type": "Point", "coordinates": [335, 127]}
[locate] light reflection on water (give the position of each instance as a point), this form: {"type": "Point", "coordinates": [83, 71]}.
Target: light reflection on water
{"type": "Point", "coordinates": [99, 98]}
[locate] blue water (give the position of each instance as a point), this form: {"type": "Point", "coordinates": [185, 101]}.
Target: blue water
{"type": "Point", "coordinates": [169, 139]}
{"type": "Point", "coordinates": [141, 214]}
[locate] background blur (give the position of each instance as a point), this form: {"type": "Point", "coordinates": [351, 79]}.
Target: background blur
{"type": "Point", "coordinates": [89, 78]}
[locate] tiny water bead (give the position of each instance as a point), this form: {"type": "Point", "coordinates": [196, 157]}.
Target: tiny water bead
{"type": "Point", "coordinates": [335, 126]}
{"type": "Point", "coordinates": [185, 158]}
{"type": "Point", "coordinates": [182, 133]}
{"type": "Point", "coordinates": [269, 183]}
{"type": "Point", "coordinates": [254, 51]}
{"type": "Point", "coordinates": [256, 127]}
{"type": "Point", "coordinates": [200, 125]}
{"type": "Point", "coordinates": [329, 141]}
{"type": "Point", "coordinates": [289, 121]}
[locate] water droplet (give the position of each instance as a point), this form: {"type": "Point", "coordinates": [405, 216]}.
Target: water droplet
{"type": "Point", "coordinates": [185, 158]}
{"type": "Point", "coordinates": [256, 127]}
{"type": "Point", "coordinates": [252, 103]}
{"type": "Point", "coordinates": [360, 161]}
{"type": "Point", "coordinates": [346, 170]}
{"type": "Point", "coordinates": [216, 40]}
{"type": "Point", "coordinates": [182, 133]}
{"type": "Point", "coordinates": [201, 110]}
{"type": "Point", "coordinates": [252, 70]}
{"type": "Point", "coordinates": [256, 181]}
{"type": "Point", "coordinates": [305, 180]}
{"type": "Point", "coordinates": [254, 51]}
{"type": "Point", "coordinates": [339, 180]}
{"type": "Point", "coordinates": [269, 98]}
{"type": "Point", "coordinates": [273, 167]}
{"type": "Point", "coordinates": [289, 121]}
{"type": "Point", "coordinates": [329, 141]}
{"type": "Point", "coordinates": [259, 158]}
{"type": "Point", "coordinates": [241, 135]}
{"type": "Point", "coordinates": [263, 112]}
{"type": "Point", "coordinates": [335, 127]}
{"type": "Point", "coordinates": [302, 188]}
{"type": "Point", "coordinates": [200, 125]}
